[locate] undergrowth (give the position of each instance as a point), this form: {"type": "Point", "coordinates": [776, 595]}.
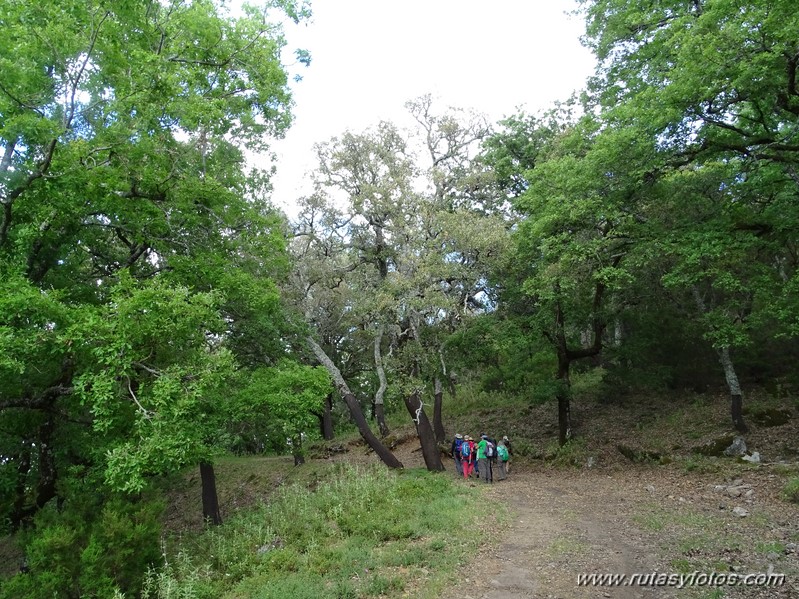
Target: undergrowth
{"type": "Point", "coordinates": [368, 532]}
{"type": "Point", "coordinates": [791, 490]}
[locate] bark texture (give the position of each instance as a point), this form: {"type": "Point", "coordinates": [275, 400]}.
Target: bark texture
{"type": "Point", "coordinates": [211, 514]}
{"type": "Point", "coordinates": [381, 390]}
{"type": "Point", "coordinates": [326, 419]}
{"type": "Point", "coordinates": [430, 452]}
{"type": "Point", "coordinates": [438, 421]}
{"type": "Point", "coordinates": [736, 396]}
{"type": "Point", "coordinates": [383, 452]}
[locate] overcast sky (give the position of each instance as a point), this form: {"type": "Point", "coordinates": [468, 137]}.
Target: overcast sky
{"type": "Point", "coordinates": [371, 56]}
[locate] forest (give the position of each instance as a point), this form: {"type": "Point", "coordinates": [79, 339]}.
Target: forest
{"type": "Point", "coordinates": [159, 314]}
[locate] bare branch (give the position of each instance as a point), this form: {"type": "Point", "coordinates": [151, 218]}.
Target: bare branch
{"type": "Point", "coordinates": [147, 414]}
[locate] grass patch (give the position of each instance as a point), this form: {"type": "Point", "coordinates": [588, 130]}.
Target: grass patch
{"type": "Point", "coordinates": [772, 547]}
{"type": "Point", "coordinates": [791, 490]}
{"type": "Point", "coordinates": [786, 470]}
{"type": "Point", "coordinates": [691, 540]}
{"type": "Point", "coordinates": [363, 532]}
{"type": "Point", "coordinates": [654, 519]}
{"type": "Point", "coordinates": [566, 546]}
{"type": "Point", "coordinates": [701, 464]}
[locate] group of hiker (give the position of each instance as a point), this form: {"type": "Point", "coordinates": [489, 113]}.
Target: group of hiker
{"type": "Point", "coordinates": [482, 458]}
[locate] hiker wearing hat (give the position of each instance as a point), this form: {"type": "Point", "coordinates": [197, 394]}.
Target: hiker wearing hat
{"type": "Point", "coordinates": [455, 452]}
{"type": "Point", "coordinates": [467, 456]}
{"type": "Point", "coordinates": [482, 459]}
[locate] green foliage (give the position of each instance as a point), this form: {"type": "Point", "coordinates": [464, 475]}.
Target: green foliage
{"type": "Point", "coordinates": [729, 180]}
{"type": "Point", "coordinates": [138, 263]}
{"type": "Point", "coordinates": [277, 403]}
{"type": "Point", "coordinates": [504, 351]}
{"type": "Point", "coordinates": [519, 145]}
{"type": "Point", "coordinates": [148, 371]}
{"type": "Point", "coordinates": [663, 219]}
{"type": "Point", "coordinates": [345, 538]}
{"type": "Point", "coordinates": [525, 448]}
{"type": "Point", "coordinates": [573, 454]}
{"type": "Point", "coordinates": [90, 549]}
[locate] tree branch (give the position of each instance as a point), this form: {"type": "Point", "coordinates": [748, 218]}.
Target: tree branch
{"type": "Point", "coordinates": [43, 401]}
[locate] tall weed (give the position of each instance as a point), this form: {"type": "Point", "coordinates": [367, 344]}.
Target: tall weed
{"type": "Point", "coordinates": [348, 537]}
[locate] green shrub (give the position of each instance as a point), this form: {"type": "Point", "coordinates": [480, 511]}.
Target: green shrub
{"type": "Point", "coordinates": [574, 453]}
{"type": "Point", "coordinates": [524, 448]}
{"type": "Point", "coordinates": [74, 553]}
{"type": "Point", "coordinates": [791, 490]}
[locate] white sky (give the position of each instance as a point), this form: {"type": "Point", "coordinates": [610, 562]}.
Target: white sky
{"type": "Point", "coordinates": [371, 56]}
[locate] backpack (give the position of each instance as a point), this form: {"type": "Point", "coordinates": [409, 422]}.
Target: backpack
{"type": "Point", "coordinates": [466, 449]}
{"type": "Point", "coordinates": [489, 449]}
{"type": "Point", "coordinates": [458, 446]}
{"type": "Point", "coordinates": [502, 452]}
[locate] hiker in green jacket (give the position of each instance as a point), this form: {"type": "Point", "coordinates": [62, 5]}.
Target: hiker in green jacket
{"type": "Point", "coordinates": [502, 461]}
{"type": "Point", "coordinates": [482, 459]}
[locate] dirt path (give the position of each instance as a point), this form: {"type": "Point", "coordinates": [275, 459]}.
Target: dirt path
{"type": "Point", "coordinates": [562, 525]}
{"type": "Point", "coordinates": [629, 519]}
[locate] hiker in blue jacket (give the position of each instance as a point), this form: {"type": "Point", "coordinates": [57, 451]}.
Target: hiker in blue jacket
{"type": "Point", "coordinates": [455, 452]}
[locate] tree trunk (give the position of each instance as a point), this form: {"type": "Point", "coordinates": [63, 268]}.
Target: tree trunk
{"type": "Point", "coordinates": [18, 513]}
{"type": "Point", "coordinates": [563, 395]}
{"type": "Point", "coordinates": [380, 416]}
{"type": "Point", "coordinates": [46, 488]}
{"type": "Point", "coordinates": [562, 382]}
{"type": "Point", "coordinates": [383, 452]}
{"type": "Point", "coordinates": [430, 452]}
{"type": "Point", "coordinates": [327, 419]}
{"type": "Point", "coordinates": [211, 513]}
{"type": "Point", "coordinates": [296, 450]}
{"type": "Point", "coordinates": [567, 355]}
{"type": "Point", "coordinates": [452, 380]}
{"type": "Point", "coordinates": [355, 408]}
{"type": "Point", "coordinates": [736, 397]}
{"type": "Point", "coordinates": [438, 423]}
{"type": "Point", "coordinates": [381, 390]}
{"type": "Point", "coordinates": [413, 402]}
